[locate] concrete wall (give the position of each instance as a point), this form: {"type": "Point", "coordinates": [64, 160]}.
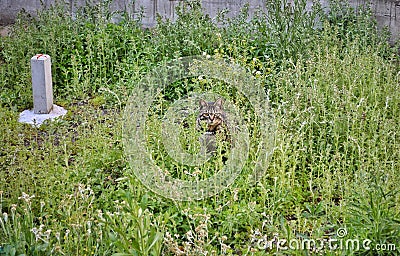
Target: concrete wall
{"type": "Point", "coordinates": [387, 11]}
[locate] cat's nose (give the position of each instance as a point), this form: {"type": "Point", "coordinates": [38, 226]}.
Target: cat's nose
{"type": "Point", "coordinates": [211, 117]}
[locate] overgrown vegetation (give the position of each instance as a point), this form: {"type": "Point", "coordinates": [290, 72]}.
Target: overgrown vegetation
{"type": "Point", "coordinates": [66, 188]}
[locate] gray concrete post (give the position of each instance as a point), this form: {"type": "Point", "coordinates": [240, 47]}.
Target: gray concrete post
{"type": "Point", "coordinates": [42, 84]}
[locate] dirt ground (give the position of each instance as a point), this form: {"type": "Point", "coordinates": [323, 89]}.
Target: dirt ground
{"type": "Point", "coordinates": [4, 30]}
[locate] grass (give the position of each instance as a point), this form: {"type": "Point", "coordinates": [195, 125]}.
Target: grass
{"type": "Point", "coordinates": [67, 188]}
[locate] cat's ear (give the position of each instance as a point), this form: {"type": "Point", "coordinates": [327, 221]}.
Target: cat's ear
{"type": "Point", "coordinates": [218, 103]}
{"type": "Point", "coordinates": [203, 103]}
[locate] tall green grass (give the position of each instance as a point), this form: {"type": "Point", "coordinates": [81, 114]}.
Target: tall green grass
{"type": "Point", "coordinates": [333, 83]}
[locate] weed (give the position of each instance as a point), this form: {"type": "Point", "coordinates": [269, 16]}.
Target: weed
{"type": "Point", "coordinates": [333, 88]}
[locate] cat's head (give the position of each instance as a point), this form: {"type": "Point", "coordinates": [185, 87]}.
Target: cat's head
{"type": "Point", "coordinates": [212, 112]}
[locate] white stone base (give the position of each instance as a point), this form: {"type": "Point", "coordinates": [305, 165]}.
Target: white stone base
{"type": "Point", "coordinates": [29, 117]}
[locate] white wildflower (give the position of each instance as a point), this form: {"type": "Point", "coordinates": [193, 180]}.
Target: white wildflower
{"type": "Point", "coordinates": [37, 233]}
{"type": "Point", "coordinates": [58, 236]}
{"type": "Point", "coordinates": [26, 197]}
{"type": "Point", "coordinates": [47, 234]}
{"type": "Point", "coordinates": [67, 233]}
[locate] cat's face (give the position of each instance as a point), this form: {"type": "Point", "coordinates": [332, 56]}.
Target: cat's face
{"type": "Point", "coordinates": [212, 113]}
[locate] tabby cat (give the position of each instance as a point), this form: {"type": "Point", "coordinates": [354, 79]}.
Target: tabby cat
{"type": "Point", "coordinates": [212, 119]}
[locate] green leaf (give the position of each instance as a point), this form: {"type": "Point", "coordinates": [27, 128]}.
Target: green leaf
{"type": "Point", "coordinates": [155, 238]}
